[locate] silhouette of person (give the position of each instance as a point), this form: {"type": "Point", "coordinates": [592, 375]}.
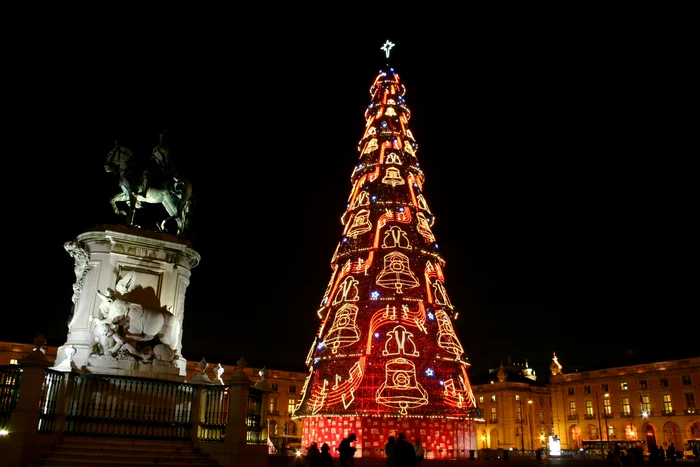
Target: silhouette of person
{"type": "Point", "coordinates": [404, 454]}
{"type": "Point", "coordinates": [420, 452]}
{"type": "Point", "coordinates": [313, 455]}
{"type": "Point", "coordinates": [347, 452]}
{"type": "Point", "coordinates": [390, 450]}
{"type": "Point", "coordinates": [325, 459]}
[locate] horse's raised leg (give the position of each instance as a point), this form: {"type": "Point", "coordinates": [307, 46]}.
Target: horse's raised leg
{"type": "Point", "coordinates": [118, 198]}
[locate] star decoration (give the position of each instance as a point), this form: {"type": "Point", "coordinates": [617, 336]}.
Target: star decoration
{"type": "Point", "coordinates": [387, 48]}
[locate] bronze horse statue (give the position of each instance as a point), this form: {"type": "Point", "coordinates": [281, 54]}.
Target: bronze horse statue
{"type": "Point", "coordinates": [141, 183]}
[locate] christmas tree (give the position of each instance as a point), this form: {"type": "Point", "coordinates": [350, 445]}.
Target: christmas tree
{"type": "Point", "coordinates": [386, 358]}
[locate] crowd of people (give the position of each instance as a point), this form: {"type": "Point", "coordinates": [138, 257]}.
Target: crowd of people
{"type": "Point", "coordinates": [399, 453]}
{"type": "Point", "coordinates": [634, 457]}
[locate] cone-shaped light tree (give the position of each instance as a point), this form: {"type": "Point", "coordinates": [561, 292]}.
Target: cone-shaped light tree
{"type": "Point", "coordinates": [386, 358]}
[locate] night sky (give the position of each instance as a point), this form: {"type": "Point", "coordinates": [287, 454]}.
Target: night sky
{"type": "Point", "coordinates": [555, 160]}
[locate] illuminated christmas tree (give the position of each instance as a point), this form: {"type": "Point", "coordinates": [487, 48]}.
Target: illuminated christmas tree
{"type": "Point", "coordinates": [386, 358]}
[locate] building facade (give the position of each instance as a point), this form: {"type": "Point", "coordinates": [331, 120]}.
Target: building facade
{"type": "Point", "coordinates": [630, 401]}
{"type": "Point", "coordinates": [516, 408]}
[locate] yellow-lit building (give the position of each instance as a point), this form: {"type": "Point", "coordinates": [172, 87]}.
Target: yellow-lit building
{"type": "Point", "coordinates": [634, 399]}
{"type": "Point", "coordinates": [516, 408]}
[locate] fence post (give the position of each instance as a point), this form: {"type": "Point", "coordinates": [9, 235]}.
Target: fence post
{"type": "Point", "coordinates": [19, 446]}
{"type": "Point", "coordinates": [264, 386]}
{"type": "Point", "coordinates": [239, 386]}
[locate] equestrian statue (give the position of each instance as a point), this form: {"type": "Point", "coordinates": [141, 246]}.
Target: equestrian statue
{"type": "Point", "coordinates": [150, 181]}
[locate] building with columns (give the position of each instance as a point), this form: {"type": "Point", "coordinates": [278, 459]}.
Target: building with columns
{"type": "Point", "coordinates": [647, 400]}
{"type": "Point", "coordinates": [516, 407]}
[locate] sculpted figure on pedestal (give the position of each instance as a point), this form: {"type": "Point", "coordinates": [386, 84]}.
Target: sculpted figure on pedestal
{"type": "Point", "coordinates": [150, 181]}
{"type": "Point", "coordinates": [142, 332]}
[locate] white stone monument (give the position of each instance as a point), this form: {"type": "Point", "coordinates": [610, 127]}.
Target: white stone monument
{"type": "Point", "coordinates": [128, 303]}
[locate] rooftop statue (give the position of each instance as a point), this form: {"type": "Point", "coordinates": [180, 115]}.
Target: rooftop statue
{"type": "Point", "coordinates": [150, 181]}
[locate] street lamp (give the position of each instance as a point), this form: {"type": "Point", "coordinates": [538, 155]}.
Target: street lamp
{"type": "Point", "coordinates": [529, 420]}
{"type": "Point", "coordinates": [522, 431]}
{"type": "Point", "coordinates": [600, 430]}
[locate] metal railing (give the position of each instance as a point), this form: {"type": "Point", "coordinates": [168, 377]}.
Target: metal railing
{"type": "Point", "coordinates": [215, 402]}
{"type": "Point", "coordinates": [253, 418]}
{"type": "Point", "coordinates": [10, 376]}
{"type": "Point", "coordinates": [130, 407]}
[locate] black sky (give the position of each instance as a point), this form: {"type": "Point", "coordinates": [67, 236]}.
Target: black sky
{"type": "Point", "coordinates": [555, 155]}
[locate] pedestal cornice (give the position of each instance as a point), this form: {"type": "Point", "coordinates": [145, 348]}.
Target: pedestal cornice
{"type": "Point", "coordinates": [129, 241]}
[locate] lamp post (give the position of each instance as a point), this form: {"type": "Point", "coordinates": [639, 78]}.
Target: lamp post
{"type": "Point", "coordinates": [600, 429]}
{"type": "Point", "coordinates": [522, 431]}
{"type": "Point", "coordinates": [529, 420]}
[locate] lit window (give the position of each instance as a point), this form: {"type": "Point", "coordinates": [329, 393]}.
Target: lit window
{"type": "Point", "coordinates": [290, 405]}
{"type": "Point", "coordinates": [626, 410]}
{"type": "Point", "coordinates": [517, 397]}
{"type": "Point", "coordinates": [13, 361]}
{"type": "Point", "coordinates": [668, 406]}
{"type": "Point", "coordinates": [646, 405]}
{"type": "Point", "coordinates": [481, 399]}
{"type": "Point", "coordinates": [493, 398]}
{"type": "Point", "coordinates": [623, 386]}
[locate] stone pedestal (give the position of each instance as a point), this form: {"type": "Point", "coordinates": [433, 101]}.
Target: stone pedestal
{"type": "Point", "coordinates": [123, 272]}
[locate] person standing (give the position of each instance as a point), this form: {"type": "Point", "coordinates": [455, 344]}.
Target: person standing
{"type": "Point", "coordinates": [661, 455]}
{"type": "Point", "coordinates": [654, 456]}
{"type": "Point", "coordinates": [405, 455]}
{"type": "Point", "coordinates": [325, 459]}
{"type": "Point", "coordinates": [671, 453]}
{"type": "Point", "coordinates": [696, 453]}
{"type": "Point", "coordinates": [389, 449]}
{"type": "Point", "coordinates": [312, 455]}
{"type": "Point", "coordinates": [347, 452]}
{"type": "Point", "coordinates": [420, 452]}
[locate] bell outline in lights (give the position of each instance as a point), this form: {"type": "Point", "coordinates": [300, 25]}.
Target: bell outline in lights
{"type": "Point", "coordinates": [396, 273]}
